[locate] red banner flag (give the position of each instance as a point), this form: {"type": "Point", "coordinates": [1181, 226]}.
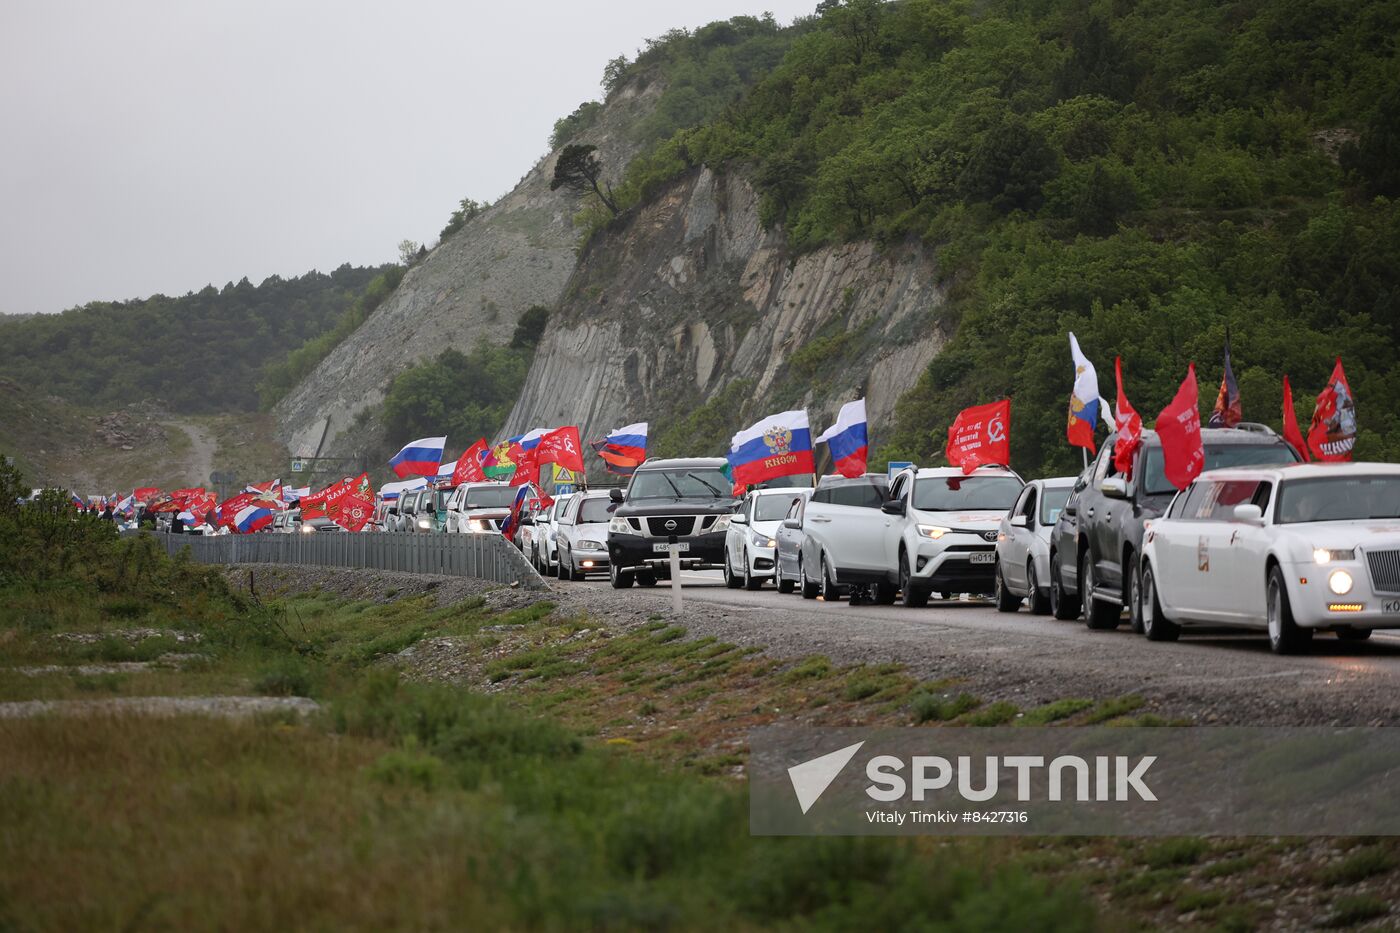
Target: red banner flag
{"type": "Point", "coordinates": [561, 446]}
{"type": "Point", "coordinates": [527, 467]}
{"type": "Point", "coordinates": [981, 435]}
{"type": "Point", "coordinates": [145, 494]}
{"type": "Point", "coordinates": [1291, 433]}
{"type": "Point", "coordinates": [1332, 434]}
{"type": "Point", "coordinates": [1179, 429]}
{"type": "Point", "coordinates": [1128, 423]}
{"type": "Point", "coordinates": [470, 466]}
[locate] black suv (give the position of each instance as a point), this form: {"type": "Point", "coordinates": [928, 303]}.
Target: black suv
{"type": "Point", "coordinates": [689, 500]}
{"type": "Point", "coordinates": [1098, 537]}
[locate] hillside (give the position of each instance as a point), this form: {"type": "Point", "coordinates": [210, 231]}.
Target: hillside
{"type": "Point", "coordinates": [200, 353]}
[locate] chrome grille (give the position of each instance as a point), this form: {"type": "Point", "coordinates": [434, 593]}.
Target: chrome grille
{"type": "Point", "coordinates": [1385, 570]}
{"type": "Point", "coordinates": [679, 525]}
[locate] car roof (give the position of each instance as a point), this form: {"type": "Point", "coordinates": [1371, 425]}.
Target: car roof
{"type": "Point", "coordinates": [1054, 482]}
{"type": "Point", "coordinates": [988, 470]}
{"type": "Point", "coordinates": [683, 463]}
{"type": "Point", "coordinates": [781, 490]}
{"type": "Point", "coordinates": [1220, 436]}
{"type": "Point", "coordinates": [833, 480]}
{"type": "Point", "coordinates": [1303, 471]}
{"type": "Point", "coordinates": [603, 493]}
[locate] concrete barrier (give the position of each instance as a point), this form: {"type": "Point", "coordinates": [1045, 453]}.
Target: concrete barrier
{"type": "Point", "coordinates": [486, 557]}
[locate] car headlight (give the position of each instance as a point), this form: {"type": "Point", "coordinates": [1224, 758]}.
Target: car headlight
{"type": "Point", "coordinates": [722, 523]}
{"type": "Point", "coordinates": [1339, 582]}
{"type": "Point", "coordinates": [307, 530]}
{"type": "Point", "coordinates": [476, 525]}
{"type": "Point", "coordinates": [759, 540]}
{"type": "Point", "coordinates": [1325, 555]}
{"type": "Point", "coordinates": [424, 523]}
{"type": "Point", "coordinates": [588, 544]}
{"type": "Point", "coordinates": [933, 531]}
{"type": "Point", "coordinates": [621, 526]}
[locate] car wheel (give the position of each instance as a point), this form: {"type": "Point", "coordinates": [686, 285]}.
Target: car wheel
{"type": "Point", "coordinates": [1130, 597]}
{"type": "Point", "coordinates": [1155, 626]}
{"type": "Point", "coordinates": [1007, 601]}
{"type": "Point", "coordinates": [646, 578]}
{"type": "Point", "coordinates": [1285, 637]}
{"type": "Point", "coordinates": [1062, 605]}
{"type": "Point", "coordinates": [562, 570]}
{"type": "Point", "coordinates": [750, 581]}
{"type": "Point", "coordinates": [829, 590]}
{"type": "Point", "coordinates": [783, 584]}
{"type": "Point", "coordinates": [915, 596]}
{"type": "Point", "coordinates": [730, 580]}
{"type": "Point", "coordinates": [1353, 634]}
{"type": "Point", "coordinates": [1098, 615]}
{"type": "Point", "coordinates": [808, 588]}
{"type": "Point", "coordinates": [620, 580]}
{"type": "Point", "coordinates": [1039, 602]}
{"type": "Point", "coordinates": [885, 594]}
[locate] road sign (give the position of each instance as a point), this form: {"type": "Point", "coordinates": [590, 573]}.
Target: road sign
{"type": "Point", "coordinates": [896, 465]}
{"type": "Point", "coordinates": [298, 466]}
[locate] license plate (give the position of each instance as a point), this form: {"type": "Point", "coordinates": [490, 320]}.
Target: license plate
{"type": "Point", "coordinates": [986, 557]}
{"type": "Point", "coordinates": [683, 547]}
{"type": "Point", "coordinates": [1390, 607]}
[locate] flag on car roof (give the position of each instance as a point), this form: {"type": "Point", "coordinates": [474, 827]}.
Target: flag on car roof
{"type": "Point", "coordinates": [252, 518]}
{"type": "Point", "coordinates": [1083, 400]}
{"type": "Point", "coordinates": [507, 523]}
{"type": "Point", "coordinates": [561, 446]}
{"type": "Point", "coordinates": [1128, 423]}
{"type": "Point", "coordinates": [1179, 430]}
{"type": "Point", "coordinates": [847, 439]}
{"type": "Point", "coordinates": [498, 463]}
{"type": "Point", "coordinates": [1291, 433]}
{"type": "Point", "coordinates": [980, 435]}
{"type": "Point", "coordinates": [624, 449]}
{"type": "Point", "coordinates": [469, 467]}
{"type": "Point", "coordinates": [1332, 434]}
{"type": "Point", "coordinates": [779, 445]}
{"type": "Point", "coordinates": [391, 491]}
{"type": "Point", "coordinates": [1228, 411]}
{"type": "Point", "coordinates": [419, 458]}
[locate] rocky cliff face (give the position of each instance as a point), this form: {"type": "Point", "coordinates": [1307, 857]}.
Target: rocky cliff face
{"type": "Point", "coordinates": [691, 308]}
{"type": "Point", "coordinates": [472, 287]}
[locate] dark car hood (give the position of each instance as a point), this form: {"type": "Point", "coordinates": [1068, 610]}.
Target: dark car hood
{"type": "Point", "coordinates": [684, 506]}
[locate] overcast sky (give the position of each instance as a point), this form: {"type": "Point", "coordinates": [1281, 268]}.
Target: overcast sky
{"type": "Point", "coordinates": [160, 146]}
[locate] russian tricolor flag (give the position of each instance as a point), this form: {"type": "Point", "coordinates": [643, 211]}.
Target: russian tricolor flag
{"type": "Point", "coordinates": [1083, 400]}
{"type": "Point", "coordinates": [419, 458]}
{"type": "Point", "coordinates": [779, 445]}
{"type": "Point", "coordinates": [624, 449]}
{"type": "Point", "coordinates": [847, 439]}
{"type": "Point", "coordinates": [252, 518]}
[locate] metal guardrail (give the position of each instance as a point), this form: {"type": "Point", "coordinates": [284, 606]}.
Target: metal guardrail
{"type": "Point", "coordinates": [487, 557]}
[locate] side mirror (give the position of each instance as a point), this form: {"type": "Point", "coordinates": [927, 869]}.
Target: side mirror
{"type": "Point", "coordinates": [1249, 514]}
{"type": "Point", "coordinates": [738, 518]}
{"type": "Point", "coordinates": [1114, 487]}
{"type": "Point", "coordinates": [615, 494]}
{"type": "Point", "coordinates": [393, 510]}
{"type": "Point", "coordinates": [893, 507]}
{"type": "Point", "coordinates": [792, 523]}
{"type": "Point", "coordinates": [1019, 521]}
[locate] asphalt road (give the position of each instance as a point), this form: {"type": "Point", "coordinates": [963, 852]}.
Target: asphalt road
{"type": "Point", "coordinates": [1218, 675]}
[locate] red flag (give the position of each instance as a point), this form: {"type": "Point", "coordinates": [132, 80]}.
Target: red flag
{"type": "Point", "coordinates": [229, 508]}
{"type": "Point", "coordinates": [1227, 412]}
{"type": "Point", "coordinates": [980, 435]}
{"type": "Point", "coordinates": [337, 494]}
{"type": "Point", "coordinates": [145, 494]}
{"type": "Point", "coordinates": [1179, 429]}
{"type": "Point", "coordinates": [314, 506]}
{"type": "Point", "coordinates": [1332, 434]}
{"type": "Point", "coordinates": [469, 465]}
{"type": "Point", "coordinates": [527, 467]}
{"type": "Point", "coordinates": [1128, 423]}
{"type": "Point", "coordinates": [561, 446]}
{"type": "Point", "coordinates": [353, 511]}
{"type": "Point", "coordinates": [1290, 422]}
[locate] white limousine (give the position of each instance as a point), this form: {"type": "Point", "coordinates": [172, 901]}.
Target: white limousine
{"type": "Point", "coordinates": [1290, 549]}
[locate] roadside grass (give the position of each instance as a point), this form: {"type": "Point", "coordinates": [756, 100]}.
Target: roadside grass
{"type": "Point", "coordinates": [1355, 909]}
{"type": "Point", "coordinates": [1358, 865]}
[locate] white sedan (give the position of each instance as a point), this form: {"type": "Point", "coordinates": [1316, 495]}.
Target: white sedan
{"type": "Point", "coordinates": [750, 544]}
{"type": "Point", "coordinates": [1023, 545]}
{"type": "Point", "coordinates": [1290, 549]}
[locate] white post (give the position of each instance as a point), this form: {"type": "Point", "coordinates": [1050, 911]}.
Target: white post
{"type": "Point", "coordinates": [675, 576]}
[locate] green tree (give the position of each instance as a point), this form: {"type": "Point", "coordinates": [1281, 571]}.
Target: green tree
{"type": "Point", "coordinates": [578, 169]}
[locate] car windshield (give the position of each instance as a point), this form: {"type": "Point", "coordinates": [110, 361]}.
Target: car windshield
{"type": "Point", "coordinates": [1218, 457]}
{"type": "Point", "coordinates": [703, 483]}
{"type": "Point", "coordinates": [860, 495]}
{"type": "Point", "coordinates": [1052, 503]}
{"type": "Point", "coordinates": [772, 508]}
{"type": "Point", "coordinates": [966, 493]}
{"type": "Point", "coordinates": [490, 497]}
{"type": "Point", "coordinates": [1338, 499]}
{"type": "Point", "coordinates": [597, 509]}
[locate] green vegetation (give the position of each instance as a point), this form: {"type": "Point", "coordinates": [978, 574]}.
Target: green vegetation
{"type": "Point", "coordinates": [200, 353]}
{"type": "Point", "coordinates": [282, 374]}
{"type": "Point", "coordinates": [467, 210]}
{"type": "Point", "coordinates": [1358, 866]}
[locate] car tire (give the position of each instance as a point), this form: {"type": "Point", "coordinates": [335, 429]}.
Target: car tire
{"type": "Point", "coordinates": [783, 584]}
{"type": "Point", "coordinates": [914, 596]}
{"type": "Point", "coordinates": [730, 580]}
{"type": "Point", "coordinates": [620, 580]}
{"type": "Point", "coordinates": [1098, 615]}
{"type": "Point", "coordinates": [1155, 626]}
{"type": "Point", "coordinates": [830, 592]}
{"type": "Point", "coordinates": [750, 581]}
{"type": "Point", "coordinates": [1038, 600]}
{"type": "Point", "coordinates": [808, 588]}
{"type": "Point", "coordinates": [886, 594]}
{"type": "Point", "coordinates": [1349, 633]}
{"type": "Point", "coordinates": [1134, 604]}
{"type": "Point", "coordinates": [1285, 637]}
{"type": "Point", "coordinates": [1062, 605]}
{"type": "Point", "coordinates": [564, 571]}
{"type": "Point", "coordinates": [1006, 600]}
{"type": "Point", "coordinates": [646, 578]}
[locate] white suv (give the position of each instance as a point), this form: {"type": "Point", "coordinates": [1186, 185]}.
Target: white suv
{"type": "Point", "coordinates": [941, 529]}
{"type": "Point", "coordinates": [478, 508]}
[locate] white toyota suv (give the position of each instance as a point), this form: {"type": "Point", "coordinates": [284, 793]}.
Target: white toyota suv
{"type": "Point", "coordinates": [941, 529]}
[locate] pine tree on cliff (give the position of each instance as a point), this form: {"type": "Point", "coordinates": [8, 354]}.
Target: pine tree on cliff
{"type": "Point", "coordinates": [578, 169]}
